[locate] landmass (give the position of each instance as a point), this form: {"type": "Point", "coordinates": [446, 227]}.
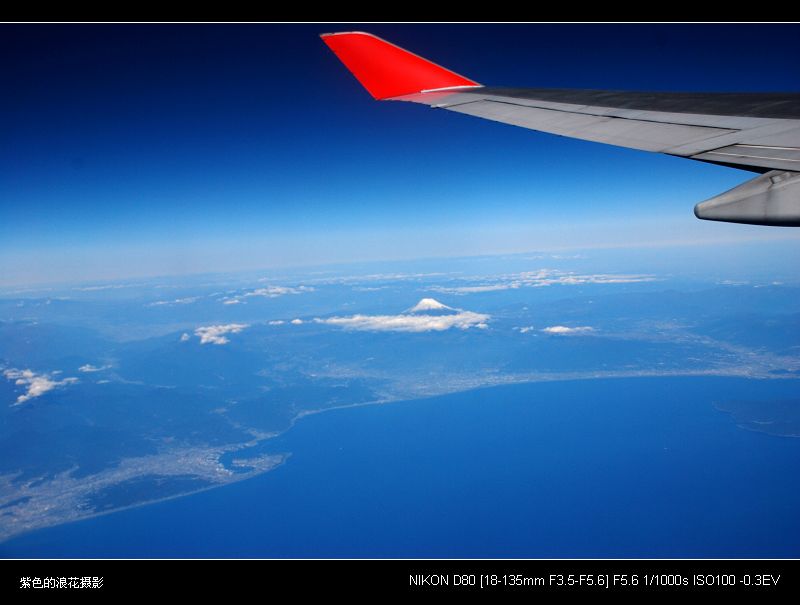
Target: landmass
{"type": "Point", "coordinates": [778, 417]}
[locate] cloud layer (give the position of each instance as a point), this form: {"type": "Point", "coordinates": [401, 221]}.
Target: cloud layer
{"type": "Point", "coordinates": [267, 292]}
{"type": "Point", "coordinates": [276, 291]}
{"type": "Point", "coordinates": [541, 278]}
{"type": "Point", "coordinates": [416, 320]}
{"type": "Point", "coordinates": [35, 384]}
{"type": "Point", "coordinates": [178, 301]}
{"type": "Point", "coordinates": [216, 334]}
{"type": "Point", "coordinates": [567, 331]}
{"type": "Point", "coordinates": [90, 368]}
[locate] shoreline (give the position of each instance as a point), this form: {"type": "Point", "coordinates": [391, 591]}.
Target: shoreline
{"type": "Point", "coordinates": [528, 379]}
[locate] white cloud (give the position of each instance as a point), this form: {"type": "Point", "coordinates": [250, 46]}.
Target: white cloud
{"type": "Point", "coordinates": [369, 289]}
{"type": "Point", "coordinates": [348, 279]}
{"type": "Point", "coordinates": [268, 292]}
{"type": "Point", "coordinates": [35, 384]}
{"type": "Point", "coordinates": [544, 277]}
{"type": "Point", "coordinates": [177, 301]}
{"type": "Point", "coordinates": [90, 368]}
{"type": "Point", "coordinates": [276, 322]}
{"type": "Point", "coordinates": [414, 320]}
{"type": "Point", "coordinates": [108, 287]}
{"type": "Point", "coordinates": [276, 291]}
{"type": "Point", "coordinates": [185, 337]}
{"type": "Point", "coordinates": [296, 322]}
{"type": "Point", "coordinates": [566, 331]}
{"type": "Point", "coordinates": [485, 288]}
{"type": "Point", "coordinates": [216, 334]}
{"type": "Point", "coordinates": [409, 323]}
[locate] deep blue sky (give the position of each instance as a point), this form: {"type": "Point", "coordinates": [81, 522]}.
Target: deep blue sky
{"type": "Point", "coordinates": [144, 150]}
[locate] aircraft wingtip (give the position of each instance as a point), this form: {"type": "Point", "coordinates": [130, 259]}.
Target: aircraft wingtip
{"type": "Point", "coordinates": [386, 70]}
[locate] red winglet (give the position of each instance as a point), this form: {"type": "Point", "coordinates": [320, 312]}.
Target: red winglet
{"type": "Point", "coordinates": [388, 71]}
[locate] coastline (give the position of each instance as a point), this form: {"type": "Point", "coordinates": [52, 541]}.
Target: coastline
{"type": "Point", "coordinates": [507, 381]}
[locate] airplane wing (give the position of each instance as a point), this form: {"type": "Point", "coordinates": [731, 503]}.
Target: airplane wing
{"type": "Point", "coordinates": [759, 132]}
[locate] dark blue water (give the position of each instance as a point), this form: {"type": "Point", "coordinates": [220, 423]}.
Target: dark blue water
{"type": "Point", "coordinates": [602, 468]}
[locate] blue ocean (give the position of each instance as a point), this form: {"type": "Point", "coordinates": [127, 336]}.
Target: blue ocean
{"type": "Point", "coordinates": [634, 467]}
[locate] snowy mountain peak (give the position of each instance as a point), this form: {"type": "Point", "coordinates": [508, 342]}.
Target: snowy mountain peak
{"type": "Point", "coordinates": [429, 304]}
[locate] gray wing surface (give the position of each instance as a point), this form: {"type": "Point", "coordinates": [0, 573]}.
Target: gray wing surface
{"type": "Point", "coordinates": [758, 132]}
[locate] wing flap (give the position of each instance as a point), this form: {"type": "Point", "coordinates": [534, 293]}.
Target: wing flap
{"type": "Point", "coordinates": [785, 158]}
{"type": "Point", "coordinates": [625, 132]}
